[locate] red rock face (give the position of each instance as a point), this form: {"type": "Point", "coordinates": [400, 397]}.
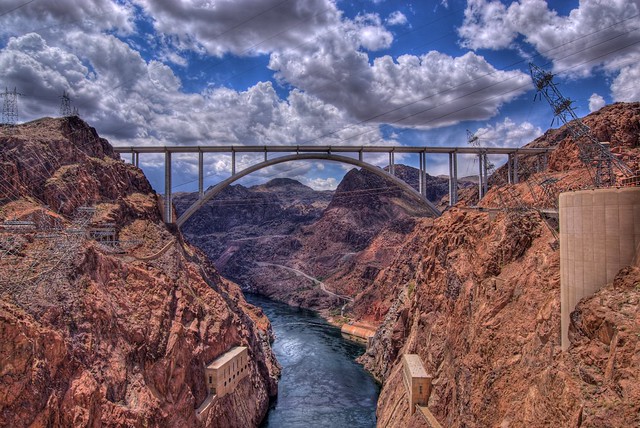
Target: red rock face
{"type": "Point", "coordinates": [284, 224]}
{"type": "Point", "coordinates": [93, 337]}
{"type": "Point", "coordinates": [477, 296]}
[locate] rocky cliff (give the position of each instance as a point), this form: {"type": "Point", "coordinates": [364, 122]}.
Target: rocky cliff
{"type": "Point", "coordinates": [281, 235]}
{"type": "Point", "coordinates": [107, 317]}
{"type": "Point", "coordinates": [476, 295]}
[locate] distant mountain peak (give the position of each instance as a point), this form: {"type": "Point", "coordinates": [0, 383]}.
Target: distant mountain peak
{"type": "Point", "coordinates": [280, 183]}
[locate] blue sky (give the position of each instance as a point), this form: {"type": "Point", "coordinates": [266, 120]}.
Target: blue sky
{"type": "Point", "coordinates": [365, 72]}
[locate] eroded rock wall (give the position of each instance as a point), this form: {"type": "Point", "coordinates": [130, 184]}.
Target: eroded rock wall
{"type": "Point", "coordinates": [97, 335]}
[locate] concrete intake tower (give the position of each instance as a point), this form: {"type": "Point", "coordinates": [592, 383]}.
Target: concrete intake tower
{"type": "Point", "coordinates": [599, 235]}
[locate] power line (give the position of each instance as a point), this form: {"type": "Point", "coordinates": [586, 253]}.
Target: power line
{"type": "Point", "coordinates": [440, 93]}
{"type": "Point", "coordinates": [451, 89]}
{"type": "Point", "coordinates": [515, 89]}
{"type": "Point", "coordinates": [16, 8]}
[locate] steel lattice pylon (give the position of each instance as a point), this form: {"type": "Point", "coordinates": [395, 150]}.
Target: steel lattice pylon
{"type": "Point", "coordinates": [10, 107]}
{"type": "Point", "coordinates": [593, 154]}
{"type": "Point", "coordinates": [65, 105]}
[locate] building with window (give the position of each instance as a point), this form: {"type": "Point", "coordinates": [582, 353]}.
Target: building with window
{"type": "Point", "coordinates": [416, 380]}
{"type": "Point", "coordinates": [224, 374]}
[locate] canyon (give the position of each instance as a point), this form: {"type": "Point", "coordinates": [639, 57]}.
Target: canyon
{"type": "Point", "coordinates": [97, 335]}
{"type": "Point", "coordinates": [475, 293]}
{"type": "Point", "coordinates": [276, 238]}
{"type": "Point", "coordinates": [121, 336]}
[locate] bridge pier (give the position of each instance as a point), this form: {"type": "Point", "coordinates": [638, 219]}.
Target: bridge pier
{"type": "Point", "coordinates": [483, 172]}
{"type": "Point", "coordinates": [512, 168]}
{"type": "Point", "coordinates": [233, 162]}
{"type": "Point", "coordinates": [480, 179]}
{"type": "Point", "coordinates": [168, 217]}
{"type": "Point", "coordinates": [424, 175]}
{"type": "Point", "coordinates": [485, 184]}
{"type": "Point", "coordinates": [392, 166]}
{"type": "Point", "coordinates": [421, 180]}
{"type": "Point", "coordinates": [453, 178]}
{"type": "Point", "coordinates": [135, 158]}
{"type": "Point", "coordinates": [200, 174]}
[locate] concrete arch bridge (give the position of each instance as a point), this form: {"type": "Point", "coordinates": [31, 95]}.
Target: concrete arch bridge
{"type": "Point", "coordinates": [333, 154]}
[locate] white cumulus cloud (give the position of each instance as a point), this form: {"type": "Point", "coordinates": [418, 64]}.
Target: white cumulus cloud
{"type": "Point", "coordinates": [625, 86]}
{"type": "Point", "coordinates": [507, 133]}
{"type": "Point", "coordinates": [397, 18]}
{"type": "Point", "coordinates": [321, 183]}
{"type": "Point", "coordinates": [596, 102]}
{"type": "Point", "coordinates": [597, 34]}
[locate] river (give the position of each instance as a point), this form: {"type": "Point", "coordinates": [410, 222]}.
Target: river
{"type": "Point", "coordinates": [321, 384]}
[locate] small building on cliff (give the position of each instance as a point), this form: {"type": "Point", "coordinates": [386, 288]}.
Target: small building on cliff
{"type": "Point", "coordinates": [224, 374]}
{"type": "Point", "coordinates": [416, 380]}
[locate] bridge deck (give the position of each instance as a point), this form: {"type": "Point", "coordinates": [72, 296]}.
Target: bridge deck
{"type": "Point", "coordinates": [333, 149]}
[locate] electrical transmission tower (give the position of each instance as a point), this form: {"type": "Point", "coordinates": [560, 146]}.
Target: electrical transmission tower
{"type": "Point", "coordinates": [593, 154]}
{"type": "Point", "coordinates": [10, 107]}
{"type": "Point", "coordinates": [65, 106]}
{"type": "Point", "coordinates": [509, 199]}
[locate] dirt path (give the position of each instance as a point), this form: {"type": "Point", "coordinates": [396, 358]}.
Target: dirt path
{"type": "Point", "coordinates": [321, 284]}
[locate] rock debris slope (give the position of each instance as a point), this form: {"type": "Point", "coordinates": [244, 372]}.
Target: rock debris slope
{"type": "Point", "coordinates": [96, 334]}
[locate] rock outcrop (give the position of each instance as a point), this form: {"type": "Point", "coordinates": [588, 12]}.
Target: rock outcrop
{"type": "Point", "coordinates": [476, 295]}
{"type": "Point", "coordinates": [280, 231]}
{"type": "Point", "coordinates": [103, 333]}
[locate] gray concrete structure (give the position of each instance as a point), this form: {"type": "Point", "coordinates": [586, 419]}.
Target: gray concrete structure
{"type": "Point", "coordinates": [599, 235]}
{"type": "Point", "coordinates": [168, 213]}
{"type": "Point", "coordinates": [306, 156]}
{"type": "Point", "coordinates": [329, 153]}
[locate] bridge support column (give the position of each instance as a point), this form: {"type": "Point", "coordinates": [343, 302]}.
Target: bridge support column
{"type": "Point", "coordinates": [168, 218]}
{"type": "Point", "coordinates": [509, 169]}
{"type": "Point", "coordinates": [392, 166]}
{"type": "Point", "coordinates": [200, 174]}
{"type": "Point", "coordinates": [480, 179]}
{"type": "Point", "coordinates": [453, 178]}
{"type": "Point", "coordinates": [424, 174]}
{"type": "Point", "coordinates": [360, 155]}
{"type": "Point", "coordinates": [233, 162]}
{"type": "Point", "coordinates": [485, 184]}
{"type": "Point", "coordinates": [455, 175]}
{"type": "Point", "coordinates": [421, 182]}
{"type": "Point", "coordinates": [133, 158]}
{"type": "Point", "coordinates": [515, 168]}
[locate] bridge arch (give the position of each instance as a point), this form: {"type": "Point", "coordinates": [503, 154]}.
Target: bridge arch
{"type": "Point", "coordinates": [209, 194]}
